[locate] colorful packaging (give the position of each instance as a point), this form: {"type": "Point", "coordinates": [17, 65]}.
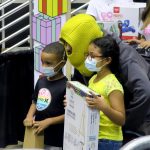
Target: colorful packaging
{"type": "Point", "coordinates": [53, 8]}
{"type": "Point", "coordinates": [110, 26]}
{"type": "Point", "coordinates": [45, 29]}
{"type": "Point", "coordinates": [129, 15]}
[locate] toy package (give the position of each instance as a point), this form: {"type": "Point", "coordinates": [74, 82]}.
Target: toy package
{"type": "Point", "coordinates": [53, 8]}
{"type": "Point", "coordinates": [46, 29]}
{"type": "Point", "coordinates": [111, 26]}
{"type": "Point", "coordinates": [129, 15]}
{"type": "Point", "coordinates": [81, 122]}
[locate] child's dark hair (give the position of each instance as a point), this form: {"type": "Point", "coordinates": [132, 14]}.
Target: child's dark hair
{"type": "Point", "coordinates": [57, 49]}
{"type": "Point", "coordinates": [109, 48]}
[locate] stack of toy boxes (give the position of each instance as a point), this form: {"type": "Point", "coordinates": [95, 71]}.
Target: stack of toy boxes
{"type": "Point", "coordinates": [45, 29]}
{"type": "Point", "coordinates": [46, 25]}
{"type": "Point", "coordinates": [130, 15]}
{"type": "Point", "coordinates": [53, 8]}
{"type": "Point", "coordinates": [81, 122]}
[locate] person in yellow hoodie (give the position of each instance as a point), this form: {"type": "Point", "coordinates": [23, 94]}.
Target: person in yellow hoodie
{"type": "Point", "coordinates": [76, 35]}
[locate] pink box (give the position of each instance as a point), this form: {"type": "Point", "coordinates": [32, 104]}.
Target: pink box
{"type": "Point", "coordinates": [45, 29]}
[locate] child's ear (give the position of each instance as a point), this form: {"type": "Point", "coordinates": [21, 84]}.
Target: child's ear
{"type": "Point", "coordinates": [63, 62]}
{"type": "Point", "coordinates": [61, 65]}
{"type": "Point", "coordinates": [109, 60]}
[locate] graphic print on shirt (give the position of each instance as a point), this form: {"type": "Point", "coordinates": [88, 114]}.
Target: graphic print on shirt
{"type": "Point", "coordinates": [43, 99]}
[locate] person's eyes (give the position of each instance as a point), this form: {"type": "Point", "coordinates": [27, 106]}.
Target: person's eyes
{"type": "Point", "coordinates": [47, 63]}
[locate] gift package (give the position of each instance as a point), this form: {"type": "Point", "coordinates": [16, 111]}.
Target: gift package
{"type": "Point", "coordinates": [129, 15]}
{"type": "Point", "coordinates": [53, 8]}
{"type": "Point", "coordinates": [45, 29]}
{"type": "Point", "coordinates": [81, 122]}
{"type": "Point", "coordinates": [37, 58]}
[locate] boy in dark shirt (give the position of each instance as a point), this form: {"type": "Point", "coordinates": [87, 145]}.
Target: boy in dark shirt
{"type": "Point", "coordinates": [47, 105]}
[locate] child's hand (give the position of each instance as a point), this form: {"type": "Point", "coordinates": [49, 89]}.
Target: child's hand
{"type": "Point", "coordinates": [65, 102]}
{"type": "Point", "coordinates": [40, 125]}
{"type": "Point", "coordinates": [28, 121]}
{"type": "Point", "coordinates": [96, 102]}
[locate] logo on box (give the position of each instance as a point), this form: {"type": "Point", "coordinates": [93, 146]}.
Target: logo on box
{"type": "Point", "coordinates": [116, 9]}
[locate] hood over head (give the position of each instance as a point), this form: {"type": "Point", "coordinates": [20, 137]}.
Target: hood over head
{"type": "Point", "coordinates": [78, 32]}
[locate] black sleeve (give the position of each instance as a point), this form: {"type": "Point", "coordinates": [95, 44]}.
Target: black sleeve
{"type": "Point", "coordinates": [136, 79]}
{"type": "Point", "coordinates": [35, 94]}
{"type": "Point", "coordinates": [138, 84]}
{"type": "Point", "coordinates": [77, 76]}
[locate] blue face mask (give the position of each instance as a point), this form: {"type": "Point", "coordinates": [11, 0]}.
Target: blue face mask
{"type": "Point", "coordinates": [49, 71]}
{"type": "Point", "coordinates": [90, 64]}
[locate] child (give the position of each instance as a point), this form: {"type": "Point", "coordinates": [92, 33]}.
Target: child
{"type": "Point", "coordinates": [47, 105]}
{"type": "Point", "coordinates": [103, 58]}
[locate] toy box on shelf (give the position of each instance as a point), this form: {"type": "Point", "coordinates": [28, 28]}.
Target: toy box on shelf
{"type": "Point", "coordinates": [53, 8]}
{"type": "Point", "coordinates": [81, 122]}
{"type": "Point", "coordinates": [37, 58]}
{"type": "Point", "coordinates": [110, 26]}
{"type": "Point", "coordinates": [45, 29]}
{"type": "Point", "coordinates": [130, 23]}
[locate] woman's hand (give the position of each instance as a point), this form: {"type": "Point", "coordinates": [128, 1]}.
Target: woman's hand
{"type": "Point", "coordinates": [133, 41]}
{"type": "Point", "coordinates": [145, 44]}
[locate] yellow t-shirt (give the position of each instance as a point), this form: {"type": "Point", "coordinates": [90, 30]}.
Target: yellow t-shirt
{"type": "Point", "coordinates": [107, 129]}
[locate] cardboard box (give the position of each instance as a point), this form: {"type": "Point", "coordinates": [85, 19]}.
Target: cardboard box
{"type": "Point", "coordinates": [45, 29]}
{"type": "Point", "coordinates": [81, 122]}
{"type": "Point", "coordinates": [37, 58]}
{"type": "Point", "coordinates": [130, 16]}
{"type": "Point", "coordinates": [110, 26]}
{"type": "Point", "coordinates": [53, 8]}
{"type": "Point", "coordinates": [32, 140]}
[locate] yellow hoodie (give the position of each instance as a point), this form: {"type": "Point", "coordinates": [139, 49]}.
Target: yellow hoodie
{"type": "Point", "coordinates": [78, 32]}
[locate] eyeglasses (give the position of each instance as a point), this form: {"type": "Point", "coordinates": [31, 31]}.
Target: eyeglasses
{"type": "Point", "coordinates": [92, 56]}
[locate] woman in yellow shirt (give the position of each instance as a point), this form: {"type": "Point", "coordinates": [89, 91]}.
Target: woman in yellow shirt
{"type": "Point", "coordinates": [103, 58]}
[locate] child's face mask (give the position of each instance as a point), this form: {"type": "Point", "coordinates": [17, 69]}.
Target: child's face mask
{"type": "Point", "coordinates": [50, 71]}
{"type": "Point", "coordinates": [90, 64]}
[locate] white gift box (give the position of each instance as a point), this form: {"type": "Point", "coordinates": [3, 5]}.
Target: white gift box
{"type": "Point", "coordinates": [81, 122]}
{"type": "Point", "coordinates": [130, 16]}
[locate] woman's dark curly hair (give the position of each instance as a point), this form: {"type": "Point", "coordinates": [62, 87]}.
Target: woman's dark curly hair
{"type": "Point", "coordinates": [109, 48]}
